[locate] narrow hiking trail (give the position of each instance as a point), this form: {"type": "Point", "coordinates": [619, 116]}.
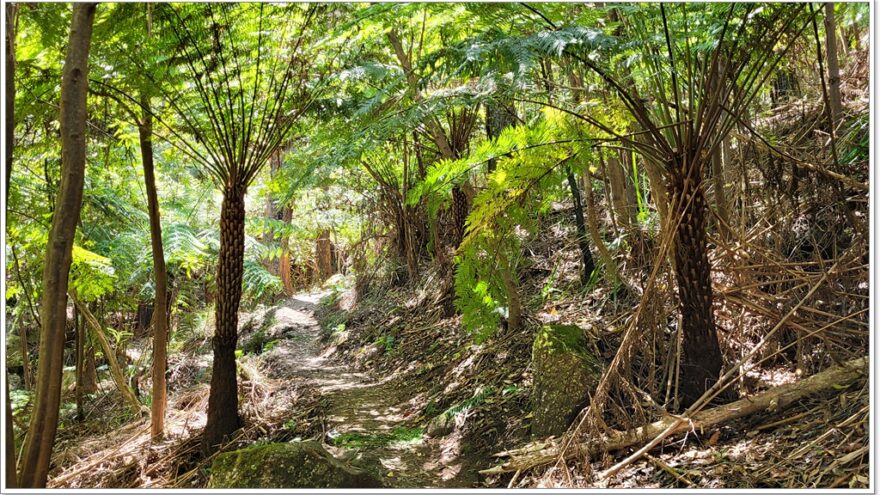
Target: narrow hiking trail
{"type": "Point", "coordinates": [364, 415]}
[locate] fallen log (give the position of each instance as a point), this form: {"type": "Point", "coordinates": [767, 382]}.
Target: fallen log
{"type": "Point", "coordinates": [773, 400]}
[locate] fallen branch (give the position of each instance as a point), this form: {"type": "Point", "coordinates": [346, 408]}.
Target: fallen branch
{"type": "Point", "coordinates": [773, 400]}
{"type": "Point", "coordinates": [115, 370]}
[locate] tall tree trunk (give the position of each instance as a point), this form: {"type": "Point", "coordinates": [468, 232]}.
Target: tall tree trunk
{"type": "Point", "coordinates": [223, 416]}
{"type": "Point", "coordinates": [583, 243]}
{"type": "Point", "coordinates": [160, 308]}
{"type": "Point", "coordinates": [324, 255]}
{"type": "Point", "coordinates": [11, 22]}
{"type": "Point", "coordinates": [701, 360]}
{"type": "Point", "coordinates": [833, 64]}
{"type": "Point", "coordinates": [47, 396]}
{"type": "Point", "coordinates": [11, 478]}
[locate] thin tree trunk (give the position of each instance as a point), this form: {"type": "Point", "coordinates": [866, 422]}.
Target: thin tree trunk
{"type": "Point", "coordinates": [701, 360]}
{"type": "Point", "coordinates": [223, 416]}
{"type": "Point", "coordinates": [80, 362]}
{"type": "Point", "coordinates": [11, 22]}
{"type": "Point", "coordinates": [160, 308]}
{"type": "Point", "coordinates": [90, 372]}
{"type": "Point", "coordinates": [284, 261]}
{"type": "Point", "coordinates": [47, 396]}
{"type": "Point", "coordinates": [586, 256]}
{"type": "Point", "coordinates": [593, 223]}
{"type": "Point", "coordinates": [833, 64]}
{"type": "Point", "coordinates": [25, 357]}
{"type": "Point", "coordinates": [11, 477]}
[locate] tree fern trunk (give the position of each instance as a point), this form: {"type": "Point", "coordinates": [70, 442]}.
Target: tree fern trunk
{"type": "Point", "coordinates": [459, 214]}
{"type": "Point", "coordinates": [701, 359]}
{"type": "Point", "coordinates": [223, 416]}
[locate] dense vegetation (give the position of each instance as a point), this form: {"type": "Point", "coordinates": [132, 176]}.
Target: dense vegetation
{"type": "Point", "coordinates": [674, 194]}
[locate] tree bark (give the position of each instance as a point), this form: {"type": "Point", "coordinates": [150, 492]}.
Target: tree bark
{"type": "Point", "coordinates": [47, 397]}
{"type": "Point", "coordinates": [701, 360]}
{"type": "Point", "coordinates": [833, 64]}
{"type": "Point", "coordinates": [11, 25]}
{"type": "Point", "coordinates": [160, 308]}
{"type": "Point", "coordinates": [583, 242]}
{"type": "Point", "coordinates": [223, 416]}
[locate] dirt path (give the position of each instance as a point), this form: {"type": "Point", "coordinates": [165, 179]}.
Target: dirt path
{"type": "Point", "coordinates": [365, 415]}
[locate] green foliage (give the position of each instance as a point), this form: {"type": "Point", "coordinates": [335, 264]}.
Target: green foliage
{"type": "Point", "coordinates": [532, 164]}
{"type": "Point", "coordinates": [258, 283]}
{"type": "Point", "coordinates": [91, 275]}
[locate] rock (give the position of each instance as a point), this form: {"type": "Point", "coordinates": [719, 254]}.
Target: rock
{"type": "Point", "coordinates": [287, 465]}
{"type": "Point", "coordinates": [440, 426]}
{"type": "Point", "coordinates": [565, 372]}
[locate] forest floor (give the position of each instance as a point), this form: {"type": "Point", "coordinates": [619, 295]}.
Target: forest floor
{"type": "Point", "coordinates": [362, 413]}
{"type": "Point", "coordinates": [303, 375]}
{"type": "Point", "coordinates": [292, 387]}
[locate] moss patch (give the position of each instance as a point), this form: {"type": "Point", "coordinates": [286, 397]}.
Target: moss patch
{"type": "Point", "coordinates": [379, 440]}
{"type": "Point", "coordinates": [286, 465]}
